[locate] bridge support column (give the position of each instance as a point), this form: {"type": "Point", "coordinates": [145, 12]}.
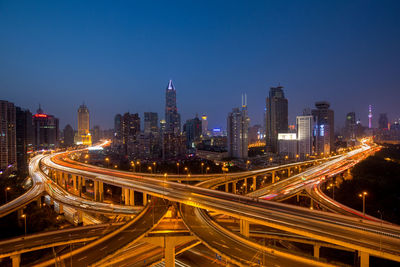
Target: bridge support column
{"type": "Point", "coordinates": [244, 227]}
{"type": "Point", "coordinates": [95, 190]}
{"type": "Point", "coordinates": [364, 259]}
{"type": "Point", "coordinates": [101, 191]}
{"type": "Point", "coordinates": [39, 201]}
{"type": "Point", "coordinates": [16, 260]}
{"type": "Point", "coordinates": [80, 185]}
{"type": "Point", "coordinates": [145, 199]}
{"type": "Point", "coordinates": [131, 197]}
{"type": "Point", "coordinates": [273, 177]}
{"type": "Point", "coordinates": [288, 172]}
{"type": "Point", "coordinates": [169, 252]}
{"type": "Point", "coordinates": [79, 217]}
{"type": "Point", "coordinates": [312, 204]}
{"type": "Point", "coordinates": [19, 214]}
{"type": "Point", "coordinates": [126, 196]}
{"type": "Point", "coordinates": [74, 177]}
{"type": "Point", "coordinates": [298, 197]}
{"type": "Point", "coordinates": [227, 187]}
{"type": "Point", "coordinates": [234, 187]}
{"type": "Point", "coordinates": [60, 208]}
{"type": "Point", "coordinates": [316, 251]}
{"type": "Point", "coordinates": [254, 183]}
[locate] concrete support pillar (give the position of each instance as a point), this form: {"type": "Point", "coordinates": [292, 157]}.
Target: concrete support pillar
{"type": "Point", "coordinates": [80, 185]}
{"type": "Point", "coordinates": [298, 197]}
{"type": "Point", "coordinates": [131, 197]}
{"type": "Point", "coordinates": [288, 172]}
{"type": "Point", "coordinates": [74, 178]}
{"type": "Point", "coordinates": [244, 228]}
{"type": "Point", "coordinates": [254, 184]}
{"type": "Point", "coordinates": [60, 208]}
{"type": "Point", "coordinates": [227, 187]}
{"type": "Point", "coordinates": [19, 214]}
{"type": "Point", "coordinates": [96, 190]}
{"type": "Point", "coordinates": [51, 201]}
{"type": "Point", "coordinates": [273, 177]}
{"type": "Point", "coordinates": [316, 251]}
{"type": "Point", "coordinates": [234, 187]}
{"type": "Point", "coordinates": [126, 196]}
{"type": "Point", "coordinates": [83, 181]}
{"type": "Point", "coordinates": [145, 199]}
{"type": "Point", "coordinates": [169, 252]}
{"type": "Point", "coordinates": [101, 191]}
{"type": "Point", "coordinates": [312, 204]}
{"type": "Point", "coordinates": [364, 259]}
{"type": "Point", "coordinates": [16, 260]}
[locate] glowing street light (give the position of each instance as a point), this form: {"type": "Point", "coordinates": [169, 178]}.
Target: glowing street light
{"type": "Point", "coordinates": [177, 167]}
{"type": "Point", "coordinates": [207, 169]}
{"type": "Point", "coordinates": [363, 194]}
{"type": "Point", "coordinates": [202, 166]}
{"type": "Point", "coordinates": [6, 190]}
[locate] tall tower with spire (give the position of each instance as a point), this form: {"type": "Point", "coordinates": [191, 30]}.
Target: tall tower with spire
{"type": "Point", "coordinates": [172, 117]}
{"type": "Point", "coordinates": [370, 116]}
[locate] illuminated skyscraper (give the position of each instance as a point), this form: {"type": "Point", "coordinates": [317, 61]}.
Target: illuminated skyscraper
{"type": "Point", "coordinates": [204, 125]}
{"type": "Point", "coordinates": [150, 122]}
{"type": "Point", "coordinates": [276, 117]}
{"type": "Point", "coordinates": [45, 128]}
{"type": "Point", "coordinates": [172, 117]}
{"type": "Point", "coordinates": [324, 136]}
{"type": "Point", "coordinates": [304, 135]}
{"type": "Point", "coordinates": [238, 127]}
{"type": "Point", "coordinates": [350, 126]}
{"type": "Point", "coordinates": [24, 139]}
{"type": "Point", "coordinates": [84, 125]}
{"type": "Point", "coordinates": [8, 149]}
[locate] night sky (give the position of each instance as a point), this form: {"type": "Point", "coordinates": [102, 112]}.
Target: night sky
{"type": "Point", "coordinates": [117, 56]}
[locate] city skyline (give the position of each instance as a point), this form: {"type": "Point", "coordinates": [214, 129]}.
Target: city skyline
{"type": "Point", "coordinates": [119, 58]}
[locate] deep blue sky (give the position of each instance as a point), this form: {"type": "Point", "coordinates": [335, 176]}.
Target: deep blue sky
{"type": "Point", "coordinates": [118, 56]}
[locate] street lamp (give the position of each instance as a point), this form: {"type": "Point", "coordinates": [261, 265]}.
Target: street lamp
{"type": "Point", "coordinates": [133, 166]}
{"type": "Point", "coordinates": [150, 169]}
{"type": "Point", "coordinates": [6, 190]}
{"type": "Point", "coordinates": [138, 163]}
{"type": "Point", "coordinates": [24, 216]}
{"type": "Point", "coordinates": [108, 162]}
{"type": "Point", "coordinates": [247, 164]}
{"type": "Point", "coordinates": [363, 194]}
{"type": "Point", "coordinates": [202, 166]}
{"type": "Point", "coordinates": [333, 190]}
{"type": "Point", "coordinates": [187, 170]}
{"type": "Point", "coordinates": [155, 168]}
{"type": "Point", "coordinates": [177, 167]}
{"type": "Point", "coordinates": [207, 169]}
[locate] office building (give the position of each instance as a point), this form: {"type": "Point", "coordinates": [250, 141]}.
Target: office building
{"type": "Point", "coordinates": [8, 148]}
{"type": "Point", "coordinates": [24, 140]}
{"type": "Point", "coordinates": [304, 135]}
{"type": "Point", "coordinates": [350, 127]}
{"type": "Point", "coordinates": [238, 127]}
{"type": "Point", "coordinates": [192, 130]}
{"type": "Point", "coordinates": [84, 136]}
{"type": "Point", "coordinates": [45, 128]}
{"type": "Point", "coordinates": [130, 129]}
{"type": "Point", "coordinates": [204, 125]}
{"type": "Point", "coordinates": [323, 132]}
{"type": "Point", "coordinates": [172, 117]}
{"type": "Point", "coordinates": [150, 123]}
{"type": "Point", "coordinates": [68, 134]}
{"type": "Point", "coordinates": [383, 121]}
{"type": "Point", "coordinates": [287, 145]}
{"type": "Point", "coordinates": [276, 117]}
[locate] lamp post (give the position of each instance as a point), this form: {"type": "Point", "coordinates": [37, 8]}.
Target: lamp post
{"type": "Point", "coordinates": [140, 167]}
{"type": "Point", "coordinates": [24, 216]}
{"type": "Point", "coordinates": [6, 190]}
{"type": "Point", "coordinates": [207, 169]}
{"type": "Point", "coordinates": [380, 236]}
{"type": "Point", "coordinates": [333, 190]}
{"type": "Point", "coordinates": [202, 166]}
{"type": "Point", "coordinates": [133, 166]}
{"type": "Point", "coordinates": [363, 194]}
{"type": "Point", "coordinates": [155, 168]}
{"type": "Point", "coordinates": [247, 164]}
{"type": "Point", "coordinates": [108, 162]}
{"type": "Point", "coordinates": [177, 167]}
{"type": "Point", "coordinates": [150, 169]}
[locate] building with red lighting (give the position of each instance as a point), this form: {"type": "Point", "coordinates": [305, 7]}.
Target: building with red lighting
{"type": "Point", "coordinates": [45, 130]}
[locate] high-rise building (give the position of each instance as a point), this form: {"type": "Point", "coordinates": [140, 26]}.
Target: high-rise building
{"type": "Point", "coordinates": [68, 134]}
{"type": "Point", "coordinates": [204, 125]}
{"type": "Point", "coordinates": [97, 134]}
{"type": "Point", "coordinates": [238, 127]}
{"type": "Point", "coordinates": [287, 144]}
{"type": "Point", "coordinates": [383, 121]}
{"type": "Point", "coordinates": [130, 128]}
{"type": "Point", "coordinates": [150, 122]}
{"type": "Point", "coordinates": [8, 147]}
{"type": "Point", "coordinates": [192, 130]}
{"type": "Point", "coordinates": [24, 138]}
{"type": "Point", "coordinates": [350, 126]}
{"type": "Point", "coordinates": [172, 117]}
{"type": "Point", "coordinates": [304, 135]}
{"type": "Point", "coordinates": [276, 117]}
{"type": "Point", "coordinates": [84, 125]}
{"type": "Point", "coordinates": [45, 128]}
{"type": "Point", "coordinates": [324, 136]}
